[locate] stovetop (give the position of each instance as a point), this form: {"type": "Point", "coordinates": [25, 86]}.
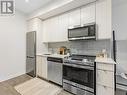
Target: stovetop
{"type": "Point", "coordinates": [80, 59]}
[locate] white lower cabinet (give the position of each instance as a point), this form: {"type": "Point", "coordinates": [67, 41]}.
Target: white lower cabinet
{"type": "Point", "coordinates": [104, 90]}
{"type": "Point", "coordinates": [38, 66]}
{"type": "Point", "coordinates": [42, 66]}
{"type": "Point", "coordinates": [104, 79]}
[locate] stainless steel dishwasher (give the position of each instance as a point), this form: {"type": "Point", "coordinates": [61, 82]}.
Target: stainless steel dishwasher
{"type": "Point", "coordinates": [55, 70]}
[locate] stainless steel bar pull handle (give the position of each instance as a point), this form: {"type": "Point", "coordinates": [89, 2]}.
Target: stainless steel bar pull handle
{"type": "Point", "coordinates": [30, 57]}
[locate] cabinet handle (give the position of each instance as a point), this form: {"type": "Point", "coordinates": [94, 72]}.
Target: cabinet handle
{"type": "Point", "coordinates": [105, 71]}
{"type": "Point", "coordinates": [105, 87]}
{"type": "Point", "coordinates": [97, 74]}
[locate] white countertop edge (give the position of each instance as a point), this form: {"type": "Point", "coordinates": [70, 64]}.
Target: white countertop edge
{"type": "Point", "coordinates": [105, 60]}
{"type": "Point", "coordinates": [53, 55]}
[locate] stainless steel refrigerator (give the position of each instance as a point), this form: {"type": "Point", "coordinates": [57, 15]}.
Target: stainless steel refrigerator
{"type": "Point", "coordinates": [31, 53]}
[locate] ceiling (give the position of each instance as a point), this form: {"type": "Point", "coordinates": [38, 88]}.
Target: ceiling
{"type": "Point", "coordinates": [47, 8]}
{"type": "Point", "coordinates": [32, 5]}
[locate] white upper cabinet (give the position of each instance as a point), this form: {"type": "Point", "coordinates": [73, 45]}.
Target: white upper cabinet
{"type": "Point", "coordinates": [54, 29]}
{"type": "Point", "coordinates": [63, 28]}
{"type": "Point", "coordinates": [75, 18]}
{"type": "Point", "coordinates": [103, 19]}
{"type": "Point", "coordinates": [50, 30]}
{"type": "Point", "coordinates": [88, 14]}
{"type": "Point", "coordinates": [46, 30]}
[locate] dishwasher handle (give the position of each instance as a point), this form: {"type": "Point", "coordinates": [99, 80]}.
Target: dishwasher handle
{"type": "Point", "coordinates": [57, 60]}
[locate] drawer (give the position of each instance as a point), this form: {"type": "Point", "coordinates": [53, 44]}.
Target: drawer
{"type": "Point", "coordinates": [103, 90]}
{"type": "Point", "coordinates": [105, 78]}
{"type": "Point", "coordinates": [75, 90]}
{"type": "Point", "coordinates": [105, 66]}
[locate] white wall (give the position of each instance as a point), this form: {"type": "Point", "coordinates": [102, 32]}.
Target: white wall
{"type": "Point", "coordinates": [120, 18]}
{"type": "Point", "coordinates": [12, 46]}
{"type": "Point", "coordinates": [120, 26]}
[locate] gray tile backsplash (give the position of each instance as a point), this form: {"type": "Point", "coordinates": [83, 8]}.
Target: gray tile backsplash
{"type": "Point", "coordinates": [83, 47]}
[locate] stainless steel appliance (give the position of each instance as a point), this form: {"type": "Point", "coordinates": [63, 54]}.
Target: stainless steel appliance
{"type": "Point", "coordinates": [79, 74]}
{"type": "Point", "coordinates": [55, 70]}
{"type": "Point", "coordinates": [31, 53]}
{"type": "Point", "coordinates": [86, 32]}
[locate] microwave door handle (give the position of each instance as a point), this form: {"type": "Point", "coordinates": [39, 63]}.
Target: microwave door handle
{"type": "Point", "coordinates": [73, 27]}
{"type": "Point", "coordinates": [76, 26]}
{"type": "Point", "coordinates": [88, 24]}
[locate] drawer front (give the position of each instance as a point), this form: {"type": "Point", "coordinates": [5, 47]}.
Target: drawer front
{"type": "Point", "coordinates": [102, 90]}
{"type": "Point", "coordinates": [105, 66]}
{"type": "Point", "coordinates": [105, 78]}
{"type": "Point", "coordinates": [75, 90]}
{"type": "Point", "coordinates": [39, 66]}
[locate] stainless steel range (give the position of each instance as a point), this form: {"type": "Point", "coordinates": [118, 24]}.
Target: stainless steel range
{"type": "Point", "coordinates": [79, 75]}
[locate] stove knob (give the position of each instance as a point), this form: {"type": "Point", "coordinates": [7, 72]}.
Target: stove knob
{"type": "Point", "coordinates": [85, 60]}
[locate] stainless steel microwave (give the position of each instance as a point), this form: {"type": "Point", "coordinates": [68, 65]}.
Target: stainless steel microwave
{"type": "Point", "coordinates": [86, 32]}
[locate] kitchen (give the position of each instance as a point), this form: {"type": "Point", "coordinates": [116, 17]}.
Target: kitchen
{"type": "Point", "coordinates": [71, 45]}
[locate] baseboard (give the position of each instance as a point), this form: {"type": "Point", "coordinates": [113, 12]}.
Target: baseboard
{"type": "Point", "coordinates": [11, 76]}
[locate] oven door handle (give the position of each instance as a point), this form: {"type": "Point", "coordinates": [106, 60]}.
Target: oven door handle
{"type": "Point", "coordinates": [79, 66]}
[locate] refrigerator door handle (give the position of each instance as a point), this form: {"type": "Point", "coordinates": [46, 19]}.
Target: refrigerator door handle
{"type": "Point", "coordinates": [30, 57]}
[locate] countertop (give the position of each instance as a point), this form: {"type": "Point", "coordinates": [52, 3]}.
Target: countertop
{"type": "Point", "coordinates": [52, 55]}
{"type": "Point", "coordinates": [105, 60]}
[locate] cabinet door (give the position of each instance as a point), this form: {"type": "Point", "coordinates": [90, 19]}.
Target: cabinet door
{"type": "Point", "coordinates": [103, 90]}
{"type": "Point", "coordinates": [103, 19]}
{"type": "Point", "coordinates": [104, 66]}
{"type": "Point", "coordinates": [63, 28]}
{"type": "Point", "coordinates": [88, 14]}
{"type": "Point", "coordinates": [54, 29]}
{"type": "Point", "coordinates": [105, 78]}
{"type": "Point", "coordinates": [44, 67]}
{"type": "Point", "coordinates": [51, 29]}
{"type": "Point", "coordinates": [46, 30]}
{"type": "Point", "coordinates": [74, 18]}
{"type": "Point", "coordinates": [39, 66]}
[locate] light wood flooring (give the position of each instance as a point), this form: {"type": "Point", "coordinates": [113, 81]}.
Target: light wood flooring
{"type": "Point", "coordinates": [7, 87]}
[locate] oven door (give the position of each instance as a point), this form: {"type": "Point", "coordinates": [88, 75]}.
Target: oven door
{"type": "Point", "coordinates": [82, 75]}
